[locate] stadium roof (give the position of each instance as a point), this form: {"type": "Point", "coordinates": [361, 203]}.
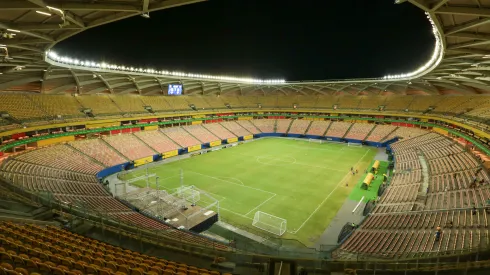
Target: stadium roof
{"type": "Point", "coordinates": [29, 28]}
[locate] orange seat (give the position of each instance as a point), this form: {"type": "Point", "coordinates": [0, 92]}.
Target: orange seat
{"type": "Point", "coordinates": [105, 271]}
{"type": "Point", "coordinates": [7, 266]}
{"type": "Point", "coordinates": [123, 268]}
{"type": "Point", "coordinates": [44, 268]}
{"type": "Point", "coordinates": [156, 269]}
{"type": "Point", "coordinates": [91, 269]}
{"type": "Point", "coordinates": [22, 271]}
{"type": "Point", "coordinates": [57, 271]}
{"type": "Point", "coordinates": [5, 257]}
{"type": "Point", "coordinates": [137, 271]}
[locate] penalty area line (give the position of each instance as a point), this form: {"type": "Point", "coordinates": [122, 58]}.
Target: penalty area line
{"type": "Point", "coordinates": [260, 204]}
{"type": "Point", "coordinates": [326, 198]}
{"type": "Point", "coordinates": [238, 214]}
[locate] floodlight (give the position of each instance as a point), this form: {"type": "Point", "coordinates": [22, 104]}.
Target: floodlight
{"type": "Point", "coordinates": [43, 13]}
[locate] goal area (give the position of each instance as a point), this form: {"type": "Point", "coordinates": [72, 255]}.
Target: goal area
{"type": "Point", "coordinates": [269, 223]}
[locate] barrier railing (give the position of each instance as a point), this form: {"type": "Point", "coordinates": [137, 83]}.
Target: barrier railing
{"type": "Point", "coordinates": [243, 251]}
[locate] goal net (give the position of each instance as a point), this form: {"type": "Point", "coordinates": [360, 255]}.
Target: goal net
{"type": "Point", "coordinates": [269, 223]}
{"type": "Point", "coordinates": [354, 144]}
{"type": "Point", "coordinates": [316, 140]}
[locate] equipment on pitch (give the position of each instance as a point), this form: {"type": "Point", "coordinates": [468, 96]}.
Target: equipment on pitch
{"type": "Point", "coordinates": [269, 223]}
{"type": "Point", "coordinates": [189, 194]}
{"type": "Point", "coordinates": [316, 140]}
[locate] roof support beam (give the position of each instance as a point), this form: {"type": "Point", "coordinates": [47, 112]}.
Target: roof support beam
{"type": "Point", "coordinates": [467, 25]}
{"type": "Point", "coordinates": [472, 51]}
{"type": "Point", "coordinates": [64, 14]}
{"type": "Point", "coordinates": [481, 12]}
{"type": "Point", "coordinates": [17, 41]}
{"type": "Point", "coordinates": [4, 25]}
{"type": "Point", "coordinates": [98, 7]}
{"type": "Point", "coordinates": [77, 81]}
{"type": "Point", "coordinates": [438, 5]}
{"type": "Point", "coordinates": [24, 47]}
{"type": "Point", "coordinates": [467, 44]}
{"type": "Point", "coordinates": [45, 77]}
{"type": "Point", "coordinates": [109, 87]}
{"type": "Point", "coordinates": [42, 27]}
{"type": "Point", "coordinates": [133, 80]}
{"type": "Point", "coordinates": [471, 35]}
{"type": "Point", "coordinates": [75, 19]}
{"type": "Point", "coordinates": [459, 56]}
{"type": "Point", "coordinates": [145, 5]}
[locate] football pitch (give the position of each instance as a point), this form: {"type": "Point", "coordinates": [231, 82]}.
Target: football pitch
{"type": "Point", "coordinates": [302, 182]}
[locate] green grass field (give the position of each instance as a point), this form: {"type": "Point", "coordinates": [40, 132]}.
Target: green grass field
{"type": "Point", "coordinates": [302, 182]}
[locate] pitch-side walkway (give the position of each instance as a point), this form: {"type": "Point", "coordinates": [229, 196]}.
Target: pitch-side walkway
{"type": "Point", "coordinates": [345, 215]}
{"type": "Point", "coordinates": [245, 234]}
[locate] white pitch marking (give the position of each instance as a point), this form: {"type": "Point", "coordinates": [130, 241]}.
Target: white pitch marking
{"type": "Point", "coordinates": [231, 182]}
{"type": "Point", "coordinates": [241, 215]}
{"type": "Point", "coordinates": [260, 204]}
{"type": "Point", "coordinates": [328, 196]}
{"type": "Point", "coordinates": [295, 162]}
{"type": "Point", "coordinates": [310, 148]}
{"type": "Point", "coordinates": [241, 182]}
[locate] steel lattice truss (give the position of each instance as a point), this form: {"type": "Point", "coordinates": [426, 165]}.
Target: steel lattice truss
{"type": "Point", "coordinates": [463, 24]}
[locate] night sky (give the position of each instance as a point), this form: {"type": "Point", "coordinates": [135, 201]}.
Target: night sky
{"type": "Point", "coordinates": [286, 39]}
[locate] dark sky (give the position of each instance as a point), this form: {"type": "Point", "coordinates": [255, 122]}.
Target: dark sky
{"type": "Point", "coordinates": [290, 39]}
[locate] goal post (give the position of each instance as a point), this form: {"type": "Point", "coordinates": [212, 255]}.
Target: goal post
{"type": "Point", "coordinates": [269, 223]}
{"type": "Point", "coordinates": [354, 144]}
{"type": "Point", "coordinates": [316, 140]}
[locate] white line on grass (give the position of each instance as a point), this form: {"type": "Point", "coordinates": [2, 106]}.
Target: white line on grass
{"type": "Point", "coordinates": [257, 189]}
{"type": "Point", "coordinates": [239, 181]}
{"type": "Point", "coordinates": [311, 148]}
{"type": "Point", "coordinates": [241, 215]}
{"type": "Point", "coordinates": [260, 204]}
{"type": "Point", "coordinates": [216, 195]}
{"type": "Point", "coordinates": [326, 198]}
{"type": "Point", "coordinates": [286, 162]}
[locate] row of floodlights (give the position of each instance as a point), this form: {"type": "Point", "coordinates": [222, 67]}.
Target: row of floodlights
{"type": "Point", "coordinates": [435, 58]}
{"type": "Point", "coordinates": [54, 56]}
